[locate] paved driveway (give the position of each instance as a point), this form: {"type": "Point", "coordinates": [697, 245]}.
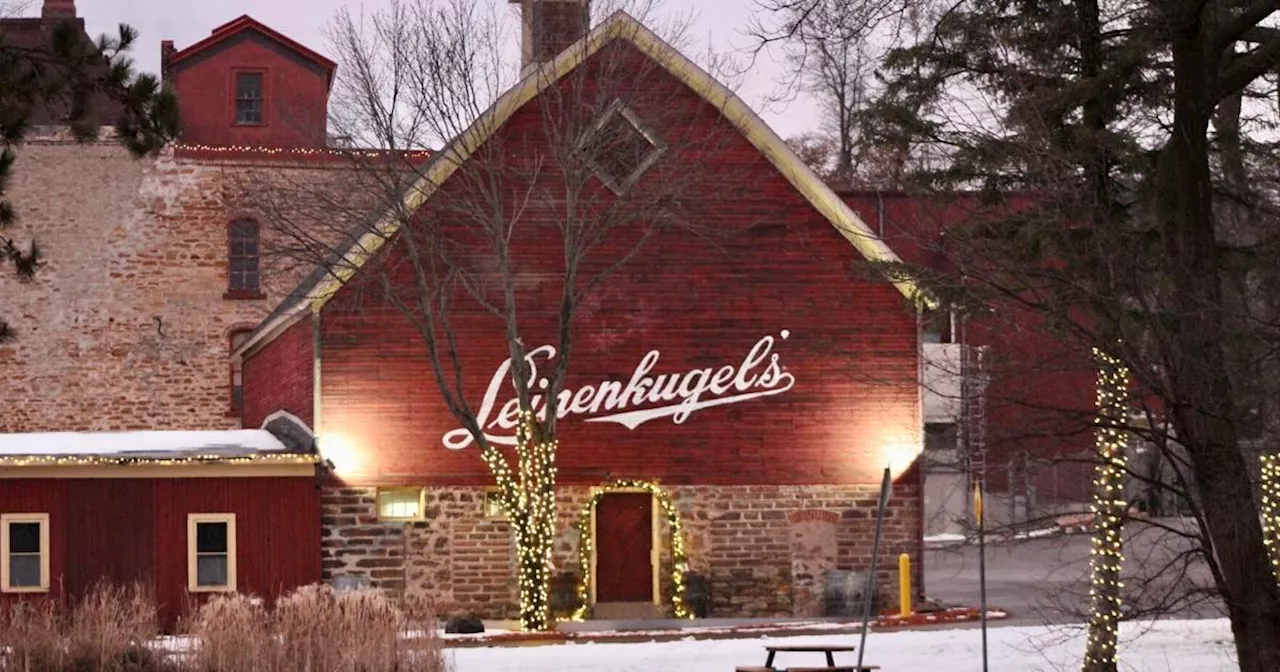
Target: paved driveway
{"type": "Point", "coordinates": [1046, 580]}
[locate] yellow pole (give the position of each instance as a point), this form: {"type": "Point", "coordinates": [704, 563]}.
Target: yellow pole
{"type": "Point", "coordinates": [904, 584]}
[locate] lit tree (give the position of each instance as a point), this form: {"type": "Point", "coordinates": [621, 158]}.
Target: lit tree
{"type": "Point", "coordinates": [1127, 127]}
{"type": "Point", "coordinates": [1109, 510]}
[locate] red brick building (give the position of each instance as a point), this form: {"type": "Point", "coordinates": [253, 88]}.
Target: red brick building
{"type": "Point", "coordinates": [121, 450]}
{"type": "Point", "coordinates": [997, 383]}
{"type": "Point", "coordinates": [788, 376]}
{"type": "Point", "coordinates": [761, 380]}
{"type": "Point", "coordinates": [247, 85]}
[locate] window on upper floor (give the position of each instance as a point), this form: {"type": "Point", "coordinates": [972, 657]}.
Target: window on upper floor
{"type": "Point", "coordinates": [237, 375]}
{"type": "Point", "coordinates": [243, 260]}
{"type": "Point", "coordinates": [619, 149]}
{"type": "Point", "coordinates": [249, 98]}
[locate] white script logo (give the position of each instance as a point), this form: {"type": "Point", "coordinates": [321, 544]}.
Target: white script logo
{"type": "Point", "coordinates": [674, 395]}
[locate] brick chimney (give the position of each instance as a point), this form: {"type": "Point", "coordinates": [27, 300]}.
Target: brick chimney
{"type": "Point", "coordinates": [58, 9]}
{"type": "Point", "coordinates": [166, 53]}
{"type": "Point", "coordinates": [549, 27]}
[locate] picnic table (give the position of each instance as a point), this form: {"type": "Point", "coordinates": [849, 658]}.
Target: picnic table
{"type": "Point", "coordinates": [829, 650]}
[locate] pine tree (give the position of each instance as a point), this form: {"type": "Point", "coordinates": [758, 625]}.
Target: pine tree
{"type": "Point", "coordinates": [67, 78]}
{"type": "Point", "coordinates": [1137, 134]}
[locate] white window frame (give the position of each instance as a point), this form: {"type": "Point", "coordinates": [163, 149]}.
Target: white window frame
{"type": "Point", "coordinates": [193, 520]}
{"type": "Point", "coordinates": [421, 493]}
{"type": "Point", "coordinates": [5, 520]}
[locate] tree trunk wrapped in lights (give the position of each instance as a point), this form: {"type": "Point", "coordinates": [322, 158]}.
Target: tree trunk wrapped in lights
{"type": "Point", "coordinates": [1271, 509]}
{"type": "Point", "coordinates": [530, 505]}
{"type": "Point", "coordinates": [1109, 510]}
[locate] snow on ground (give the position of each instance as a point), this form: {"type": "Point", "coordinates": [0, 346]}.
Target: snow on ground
{"type": "Point", "coordinates": [1204, 646]}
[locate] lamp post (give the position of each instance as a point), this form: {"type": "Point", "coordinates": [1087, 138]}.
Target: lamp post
{"type": "Point", "coordinates": [886, 485]}
{"type": "Point", "coordinates": [982, 565]}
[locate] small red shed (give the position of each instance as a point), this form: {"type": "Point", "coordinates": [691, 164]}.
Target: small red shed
{"type": "Point", "coordinates": [187, 513]}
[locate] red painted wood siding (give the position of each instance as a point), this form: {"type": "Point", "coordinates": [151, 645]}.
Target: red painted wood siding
{"type": "Point", "coordinates": [123, 530]}
{"type": "Point", "coordinates": [40, 496]}
{"type": "Point", "coordinates": [1041, 395]}
{"type": "Point", "coordinates": [281, 377]}
{"type": "Point", "coordinates": [110, 532]}
{"type": "Point", "coordinates": [295, 95]}
{"type": "Point", "coordinates": [767, 262]}
{"type": "Point", "coordinates": [277, 532]}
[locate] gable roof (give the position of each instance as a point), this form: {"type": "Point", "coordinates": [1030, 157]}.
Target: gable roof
{"type": "Point", "coordinates": [245, 23]}
{"type": "Point", "coordinates": [323, 284]}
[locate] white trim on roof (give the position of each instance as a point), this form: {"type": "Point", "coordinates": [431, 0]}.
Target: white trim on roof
{"type": "Point", "coordinates": [143, 445]}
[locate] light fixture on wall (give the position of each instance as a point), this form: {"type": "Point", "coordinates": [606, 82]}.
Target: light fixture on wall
{"type": "Point", "coordinates": [339, 453]}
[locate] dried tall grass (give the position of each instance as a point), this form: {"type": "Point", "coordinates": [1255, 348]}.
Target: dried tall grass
{"type": "Point", "coordinates": [108, 630]}
{"type": "Point", "coordinates": [314, 629]}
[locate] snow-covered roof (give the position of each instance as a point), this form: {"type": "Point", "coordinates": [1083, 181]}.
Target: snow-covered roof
{"type": "Point", "coordinates": [144, 445]}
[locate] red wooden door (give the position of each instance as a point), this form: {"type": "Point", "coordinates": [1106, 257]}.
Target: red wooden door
{"type": "Point", "coordinates": [624, 545]}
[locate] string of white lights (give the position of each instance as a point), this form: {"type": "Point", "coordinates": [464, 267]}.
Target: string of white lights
{"type": "Point", "coordinates": [1109, 510]}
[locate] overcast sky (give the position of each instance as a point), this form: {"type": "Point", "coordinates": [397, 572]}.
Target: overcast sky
{"type": "Point", "coordinates": [719, 24]}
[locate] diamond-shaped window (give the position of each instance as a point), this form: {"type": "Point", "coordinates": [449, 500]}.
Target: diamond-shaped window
{"type": "Point", "coordinates": [619, 149]}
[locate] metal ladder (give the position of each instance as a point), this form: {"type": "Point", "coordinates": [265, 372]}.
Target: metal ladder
{"type": "Point", "coordinates": [973, 411]}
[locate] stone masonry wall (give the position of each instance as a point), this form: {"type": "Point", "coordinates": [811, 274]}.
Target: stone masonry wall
{"type": "Point", "coordinates": [125, 326]}
{"type": "Point", "coordinates": [765, 549]}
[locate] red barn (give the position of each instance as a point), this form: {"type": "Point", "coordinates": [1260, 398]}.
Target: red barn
{"type": "Point", "coordinates": [749, 387]}
{"type": "Point", "coordinates": [186, 513]}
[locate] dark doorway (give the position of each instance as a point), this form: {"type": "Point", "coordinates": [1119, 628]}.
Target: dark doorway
{"type": "Point", "coordinates": [624, 547]}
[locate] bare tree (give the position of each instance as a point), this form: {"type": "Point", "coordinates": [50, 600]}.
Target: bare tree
{"type": "Point", "coordinates": [535, 200]}
{"type": "Point", "coordinates": [832, 49]}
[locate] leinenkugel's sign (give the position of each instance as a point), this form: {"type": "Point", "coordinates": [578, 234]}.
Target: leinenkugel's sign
{"type": "Point", "coordinates": [641, 398]}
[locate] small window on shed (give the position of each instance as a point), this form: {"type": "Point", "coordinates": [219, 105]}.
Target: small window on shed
{"type": "Point", "coordinates": [243, 260]}
{"type": "Point", "coordinates": [619, 149]}
{"type": "Point", "coordinates": [400, 504]}
{"type": "Point", "coordinates": [249, 98]}
{"type": "Point", "coordinates": [211, 552]}
{"type": "Point", "coordinates": [24, 552]}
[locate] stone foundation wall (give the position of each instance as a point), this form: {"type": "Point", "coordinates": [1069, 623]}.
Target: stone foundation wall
{"type": "Point", "coordinates": [766, 550]}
